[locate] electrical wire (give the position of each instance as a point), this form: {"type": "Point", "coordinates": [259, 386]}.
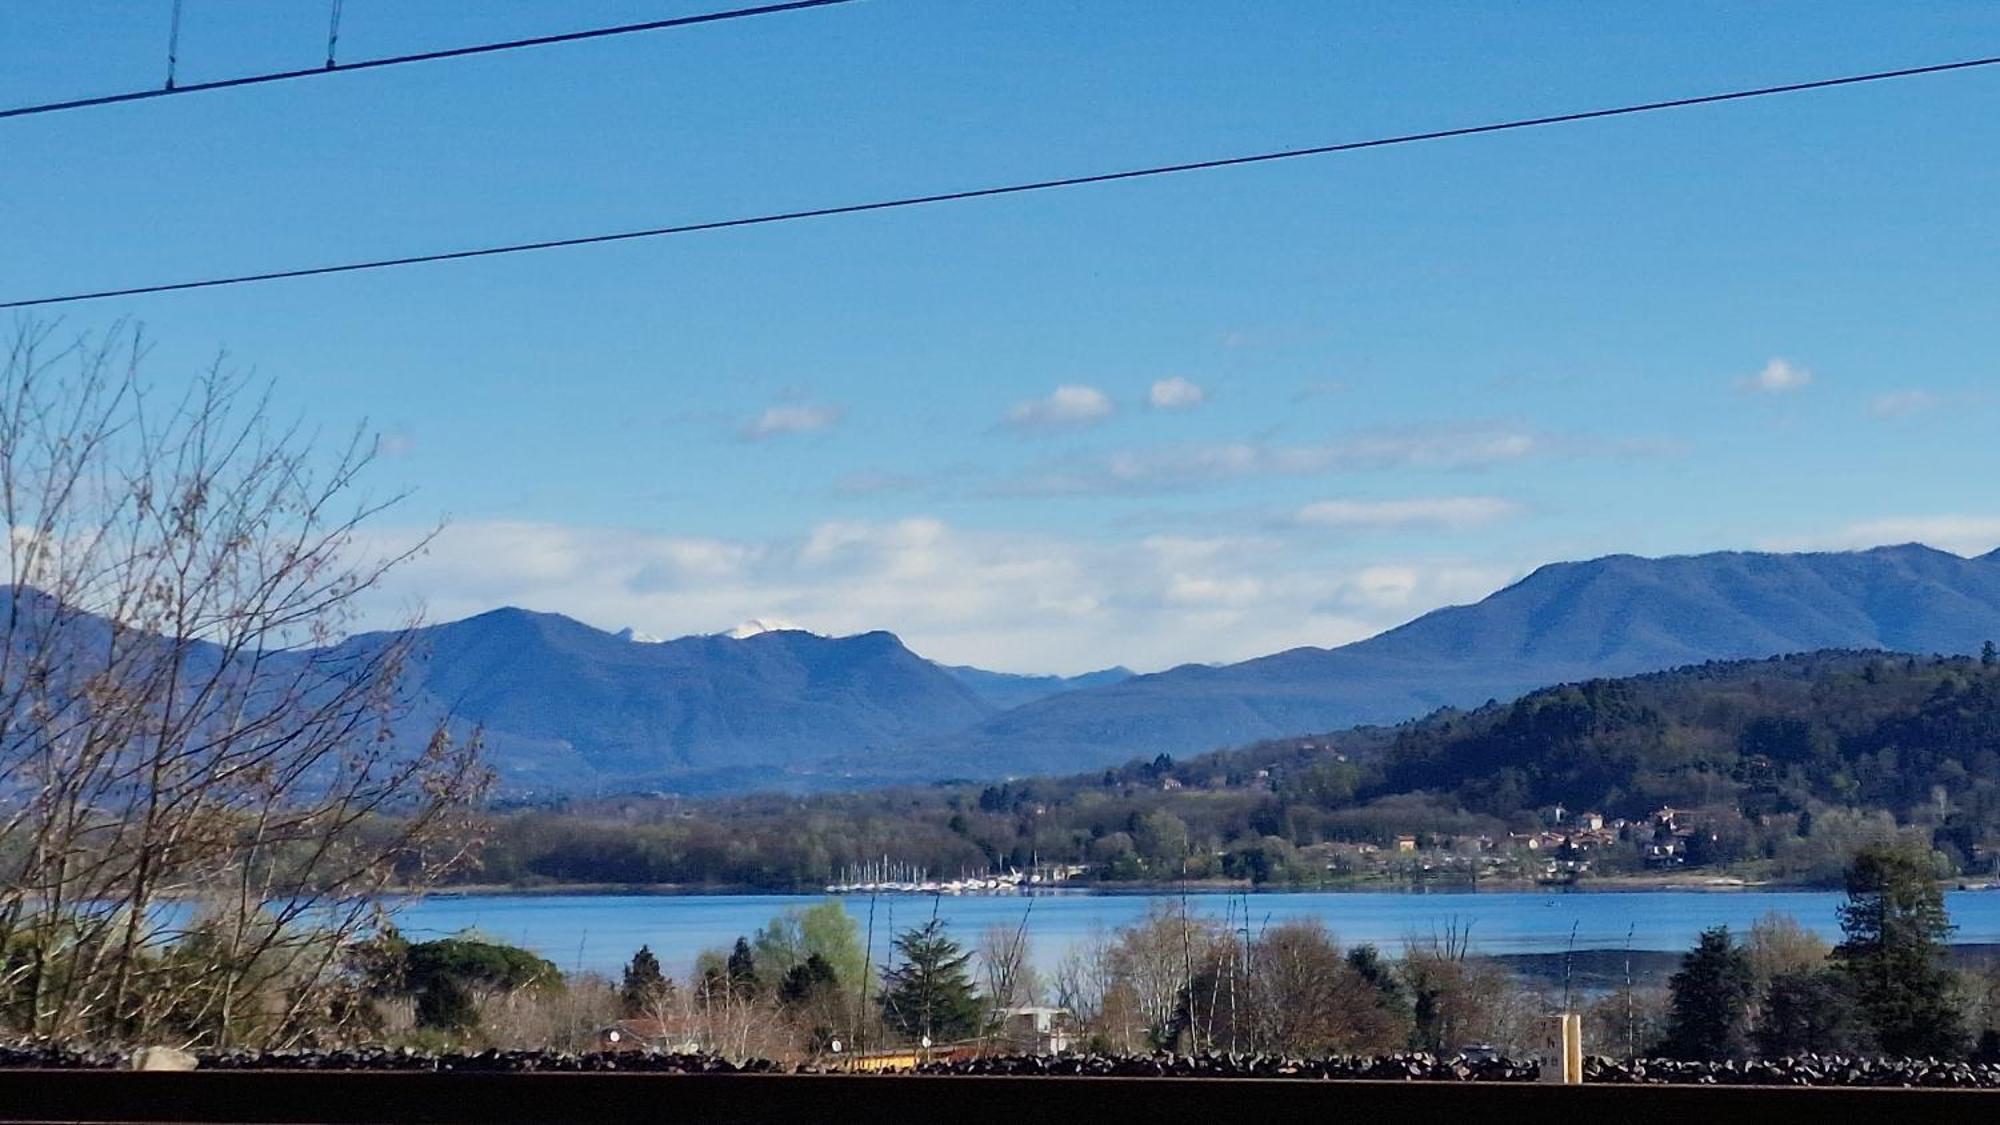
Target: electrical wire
{"type": "Point", "coordinates": [401, 60]}
{"type": "Point", "coordinates": [1011, 189]}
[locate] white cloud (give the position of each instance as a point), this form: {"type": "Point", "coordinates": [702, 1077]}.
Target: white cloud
{"type": "Point", "coordinates": [1175, 393]}
{"type": "Point", "coordinates": [1014, 601]}
{"type": "Point", "coordinates": [1444, 511]}
{"type": "Point", "coordinates": [790, 418]}
{"type": "Point", "coordinates": [1779, 376]}
{"type": "Point", "coordinates": [1959, 534]}
{"type": "Point", "coordinates": [1447, 447]}
{"type": "Point", "coordinates": [1069, 405]}
{"type": "Point", "coordinates": [1896, 404]}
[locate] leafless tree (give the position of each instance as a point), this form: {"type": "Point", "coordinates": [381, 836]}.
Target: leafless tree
{"type": "Point", "coordinates": [1461, 998]}
{"type": "Point", "coordinates": [734, 1019]}
{"type": "Point", "coordinates": [1290, 990]}
{"type": "Point", "coordinates": [1779, 944]}
{"type": "Point", "coordinates": [1082, 982]}
{"type": "Point", "coordinates": [1007, 967]}
{"type": "Point", "coordinates": [1627, 1021]}
{"type": "Point", "coordinates": [206, 785]}
{"type": "Point", "coordinates": [1137, 981]}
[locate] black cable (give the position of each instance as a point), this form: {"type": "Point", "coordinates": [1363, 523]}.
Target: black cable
{"type": "Point", "coordinates": [399, 60]}
{"type": "Point", "coordinates": [1013, 189]}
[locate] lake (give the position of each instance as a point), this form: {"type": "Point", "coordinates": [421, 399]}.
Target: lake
{"type": "Point", "coordinates": [600, 932]}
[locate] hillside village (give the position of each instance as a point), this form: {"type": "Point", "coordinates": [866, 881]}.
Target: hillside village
{"type": "Point", "coordinates": [1763, 771]}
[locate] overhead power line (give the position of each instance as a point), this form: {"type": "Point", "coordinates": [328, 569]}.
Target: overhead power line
{"type": "Point", "coordinates": [1011, 189]}
{"type": "Point", "coordinates": [400, 60]}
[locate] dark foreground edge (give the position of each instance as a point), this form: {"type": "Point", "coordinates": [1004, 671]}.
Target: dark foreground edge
{"type": "Point", "coordinates": [350, 1097]}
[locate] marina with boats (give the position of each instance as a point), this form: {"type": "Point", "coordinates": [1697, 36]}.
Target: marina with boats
{"type": "Point", "coordinates": [888, 877]}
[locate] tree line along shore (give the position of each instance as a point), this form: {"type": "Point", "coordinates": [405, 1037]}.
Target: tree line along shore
{"type": "Point", "coordinates": [1767, 772]}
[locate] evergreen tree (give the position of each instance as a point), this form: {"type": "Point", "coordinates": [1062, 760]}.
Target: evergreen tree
{"type": "Point", "coordinates": [811, 995]}
{"type": "Point", "coordinates": [742, 966]}
{"type": "Point", "coordinates": [1988, 655]}
{"type": "Point", "coordinates": [1809, 1011]}
{"type": "Point", "coordinates": [1710, 1000]}
{"type": "Point", "coordinates": [447, 1005]}
{"type": "Point", "coordinates": [645, 987]}
{"type": "Point", "coordinates": [1390, 997]}
{"type": "Point", "coordinates": [444, 973]}
{"type": "Point", "coordinates": [930, 993]}
{"type": "Point", "coordinates": [808, 980]}
{"type": "Point", "coordinates": [1894, 956]}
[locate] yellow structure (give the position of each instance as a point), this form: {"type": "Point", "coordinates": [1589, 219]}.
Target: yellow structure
{"type": "Point", "coordinates": [1572, 1048]}
{"type": "Point", "coordinates": [1562, 1049]}
{"type": "Point", "coordinates": [874, 1062]}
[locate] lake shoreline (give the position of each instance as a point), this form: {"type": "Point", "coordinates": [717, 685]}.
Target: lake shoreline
{"type": "Point", "coordinates": [598, 932]}
{"type": "Point", "coordinates": [1617, 884]}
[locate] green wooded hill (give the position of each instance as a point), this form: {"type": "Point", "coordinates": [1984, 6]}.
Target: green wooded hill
{"type": "Point", "coordinates": [1908, 735]}
{"type": "Point", "coordinates": [1786, 764]}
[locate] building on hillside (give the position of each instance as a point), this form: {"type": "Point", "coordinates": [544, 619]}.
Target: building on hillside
{"type": "Point", "coordinates": [1406, 843]}
{"type": "Point", "coordinates": [1035, 1029]}
{"type": "Point", "coordinates": [1670, 852]}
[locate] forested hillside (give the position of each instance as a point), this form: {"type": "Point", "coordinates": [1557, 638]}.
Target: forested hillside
{"type": "Point", "coordinates": [1618, 615]}
{"type": "Point", "coordinates": [1776, 767]}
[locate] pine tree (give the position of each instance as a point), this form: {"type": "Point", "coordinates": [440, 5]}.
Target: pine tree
{"type": "Point", "coordinates": [1711, 1000]}
{"type": "Point", "coordinates": [447, 1005]}
{"type": "Point", "coordinates": [1390, 997]}
{"type": "Point", "coordinates": [930, 994]}
{"type": "Point", "coordinates": [1809, 1011]}
{"type": "Point", "coordinates": [445, 973]}
{"type": "Point", "coordinates": [742, 967]}
{"type": "Point", "coordinates": [1894, 956]}
{"type": "Point", "coordinates": [645, 987]}
{"type": "Point", "coordinates": [809, 979]}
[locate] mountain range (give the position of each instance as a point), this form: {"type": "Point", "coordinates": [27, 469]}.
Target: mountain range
{"type": "Point", "coordinates": [566, 707]}
{"type": "Point", "coordinates": [1611, 616]}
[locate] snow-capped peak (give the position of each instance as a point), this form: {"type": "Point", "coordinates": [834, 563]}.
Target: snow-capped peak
{"type": "Point", "coordinates": [636, 637]}
{"type": "Point", "coordinates": [758, 625]}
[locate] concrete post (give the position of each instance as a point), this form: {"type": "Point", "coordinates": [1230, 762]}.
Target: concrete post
{"type": "Point", "coordinates": [1562, 1049]}
{"type": "Point", "coordinates": [1572, 1049]}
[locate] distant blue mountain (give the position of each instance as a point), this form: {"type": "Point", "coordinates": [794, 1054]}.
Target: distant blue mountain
{"type": "Point", "coordinates": [564, 707]}
{"type": "Point", "coordinates": [1606, 617]}
{"type": "Point", "coordinates": [1007, 689]}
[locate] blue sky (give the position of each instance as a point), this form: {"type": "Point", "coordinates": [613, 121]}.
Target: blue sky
{"type": "Point", "coordinates": [1385, 381]}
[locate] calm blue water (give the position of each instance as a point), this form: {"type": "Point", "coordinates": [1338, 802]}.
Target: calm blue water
{"type": "Point", "coordinates": [599, 932]}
